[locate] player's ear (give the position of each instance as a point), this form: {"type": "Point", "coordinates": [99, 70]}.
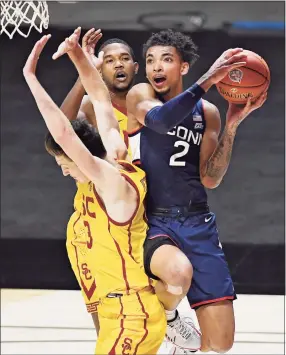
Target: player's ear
{"type": "Point", "coordinates": [136, 67]}
{"type": "Point", "coordinates": [185, 68]}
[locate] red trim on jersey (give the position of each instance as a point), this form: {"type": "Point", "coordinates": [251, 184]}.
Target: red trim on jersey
{"type": "Point", "coordinates": [212, 301]}
{"type": "Point", "coordinates": [129, 242]}
{"type": "Point", "coordinates": [131, 182]}
{"type": "Point", "coordinates": [88, 291]}
{"type": "Point", "coordinates": [136, 162]}
{"type": "Point", "coordinates": [145, 323]}
{"type": "Point", "coordinates": [92, 307]}
{"type": "Point", "coordinates": [113, 349]}
{"type": "Point", "coordinates": [122, 261]}
{"type": "Point", "coordinates": [135, 131]}
{"type": "Point", "coordinates": [120, 108]}
{"type": "Point", "coordinates": [100, 202]}
{"type": "Point", "coordinates": [121, 309]}
{"type": "Point", "coordinates": [121, 224]}
{"type": "Point", "coordinates": [128, 166]}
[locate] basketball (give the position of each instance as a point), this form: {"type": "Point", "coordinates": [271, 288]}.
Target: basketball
{"type": "Point", "coordinates": [248, 81]}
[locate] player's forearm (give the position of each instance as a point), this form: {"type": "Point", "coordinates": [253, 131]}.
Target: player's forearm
{"type": "Point", "coordinates": [163, 118]}
{"type": "Point", "coordinates": [205, 82]}
{"type": "Point", "coordinates": [109, 131]}
{"type": "Point", "coordinates": [71, 105]}
{"type": "Point", "coordinates": [100, 98]}
{"type": "Point", "coordinates": [57, 123]}
{"type": "Point", "coordinates": [217, 165]}
{"type": "Point", "coordinates": [89, 76]}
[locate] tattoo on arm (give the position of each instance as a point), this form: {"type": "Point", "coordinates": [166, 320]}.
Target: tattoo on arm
{"type": "Point", "coordinates": [219, 161]}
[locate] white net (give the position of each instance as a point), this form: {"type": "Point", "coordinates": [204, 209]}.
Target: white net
{"type": "Point", "coordinates": [22, 16]}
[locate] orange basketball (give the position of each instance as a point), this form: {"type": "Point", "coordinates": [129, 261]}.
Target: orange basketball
{"type": "Point", "coordinates": [248, 81]}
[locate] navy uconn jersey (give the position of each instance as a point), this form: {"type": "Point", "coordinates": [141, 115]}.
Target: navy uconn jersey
{"type": "Point", "coordinates": [171, 161]}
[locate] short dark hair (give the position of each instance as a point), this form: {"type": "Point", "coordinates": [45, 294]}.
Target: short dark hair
{"type": "Point", "coordinates": [86, 133]}
{"type": "Point", "coordinates": [183, 44]}
{"type": "Point", "coordinates": [120, 41]}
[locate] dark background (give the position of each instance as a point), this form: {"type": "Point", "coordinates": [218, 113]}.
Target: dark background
{"type": "Point", "coordinates": [36, 200]}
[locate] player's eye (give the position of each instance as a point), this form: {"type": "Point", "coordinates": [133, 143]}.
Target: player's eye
{"type": "Point", "coordinates": [109, 61]}
{"type": "Point", "coordinates": [168, 59]}
{"type": "Point", "coordinates": [149, 61]}
{"type": "Point", "coordinates": [126, 58]}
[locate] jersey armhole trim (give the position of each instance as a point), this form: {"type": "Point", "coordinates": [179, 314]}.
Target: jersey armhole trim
{"type": "Point", "coordinates": [101, 204]}
{"type": "Point", "coordinates": [121, 109]}
{"type": "Point", "coordinates": [135, 131]}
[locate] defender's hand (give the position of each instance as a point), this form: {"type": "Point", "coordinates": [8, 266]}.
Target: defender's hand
{"type": "Point", "coordinates": [32, 61]}
{"type": "Point", "coordinates": [68, 44]}
{"type": "Point", "coordinates": [89, 42]}
{"type": "Point", "coordinates": [237, 113]}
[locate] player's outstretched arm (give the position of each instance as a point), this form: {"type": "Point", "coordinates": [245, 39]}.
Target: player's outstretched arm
{"type": "Point", "coordinates": [99, 95]}
{"type": "Point", "coordinates": [57, 123]}
{"type": "Point", "coordinates": [216, 153]}
{"type": "Point", "coordinates": [99, 171]}
{"type": "Point", "coordinates": [76, 103]}
{"type": "Point", "coordinates": [103, 174]}
{"type": "Point", "coordinates": [142, 106]}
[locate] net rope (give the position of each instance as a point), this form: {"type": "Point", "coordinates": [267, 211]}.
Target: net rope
{"type": "Point", "coordinates": [13, 14]}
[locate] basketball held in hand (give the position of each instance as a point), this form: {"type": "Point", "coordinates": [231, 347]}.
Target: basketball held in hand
{"type": "Point", "coordinates": [247, 81]}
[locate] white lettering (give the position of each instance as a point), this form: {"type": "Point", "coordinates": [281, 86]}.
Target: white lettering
{"type": "Point", "coordinates": [172, 132]}
{"type": "Point", "coordinates": [185, 134]}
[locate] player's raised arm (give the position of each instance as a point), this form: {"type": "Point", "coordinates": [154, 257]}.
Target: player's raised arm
{"type": "Point", "coordinates": [161, 118]}
{"type": "Point", "coordinates": [99, 171]}
{"type": "Point", "coordinates": [76, 103]}
{"type": "Point", "coordinates": [143, 106]}
{"type": "Point", "coordinates": [99, 95]}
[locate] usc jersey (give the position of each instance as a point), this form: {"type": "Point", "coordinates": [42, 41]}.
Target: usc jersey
{"type": "Point", "coordinates": [121, 116]}
{"type": "Point", "coordinates": [106, 256]}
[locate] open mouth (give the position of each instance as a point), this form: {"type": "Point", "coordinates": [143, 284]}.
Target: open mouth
{"type": "Point", "coordinates": [120, 76]}
{"type": "Point", "coordinates": [159, 80]}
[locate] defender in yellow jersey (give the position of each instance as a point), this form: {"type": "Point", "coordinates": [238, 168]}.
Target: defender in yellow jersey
{"type": "Point", "coordinates": [107, 229]}
{"type": "Point", "coordinates": [118, 68]}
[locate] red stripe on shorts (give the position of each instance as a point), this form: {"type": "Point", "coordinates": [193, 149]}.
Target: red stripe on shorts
{"type": "Point", "coordinates": [144, 325]}
{"type": "Point", "coordinates": [212, 301]}
{"type": "Point", "coordinates": [113, 350]}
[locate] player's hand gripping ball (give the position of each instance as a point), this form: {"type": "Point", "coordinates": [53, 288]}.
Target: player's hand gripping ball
{"type": "Point", "coordinates": [247, 81]}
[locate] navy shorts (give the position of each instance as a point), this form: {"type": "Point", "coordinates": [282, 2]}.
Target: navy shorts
{"type": "Point", "coordinates": [197, 237]}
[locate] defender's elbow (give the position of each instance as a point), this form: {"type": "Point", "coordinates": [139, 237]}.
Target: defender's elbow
{"type": "Point", "coordinates": [122, 153]}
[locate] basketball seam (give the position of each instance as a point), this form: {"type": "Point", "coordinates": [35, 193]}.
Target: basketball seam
{"type": "Point", "coordinates": [257, 71]}
{"type": "Point", "coordinates": [266, 79]}
{"type": "Point", "coordinates": [243, 87]}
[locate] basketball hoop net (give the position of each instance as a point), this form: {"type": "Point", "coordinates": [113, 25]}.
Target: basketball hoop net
{"type": "Point", "coordinates": [27, 13]}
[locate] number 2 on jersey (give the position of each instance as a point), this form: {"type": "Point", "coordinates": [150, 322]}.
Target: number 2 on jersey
{"type": "Point", "coordinates": [174, 158]}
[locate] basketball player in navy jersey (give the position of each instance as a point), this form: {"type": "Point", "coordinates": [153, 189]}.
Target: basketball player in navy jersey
{"type": "Point", "coordinates": [182, 154]}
